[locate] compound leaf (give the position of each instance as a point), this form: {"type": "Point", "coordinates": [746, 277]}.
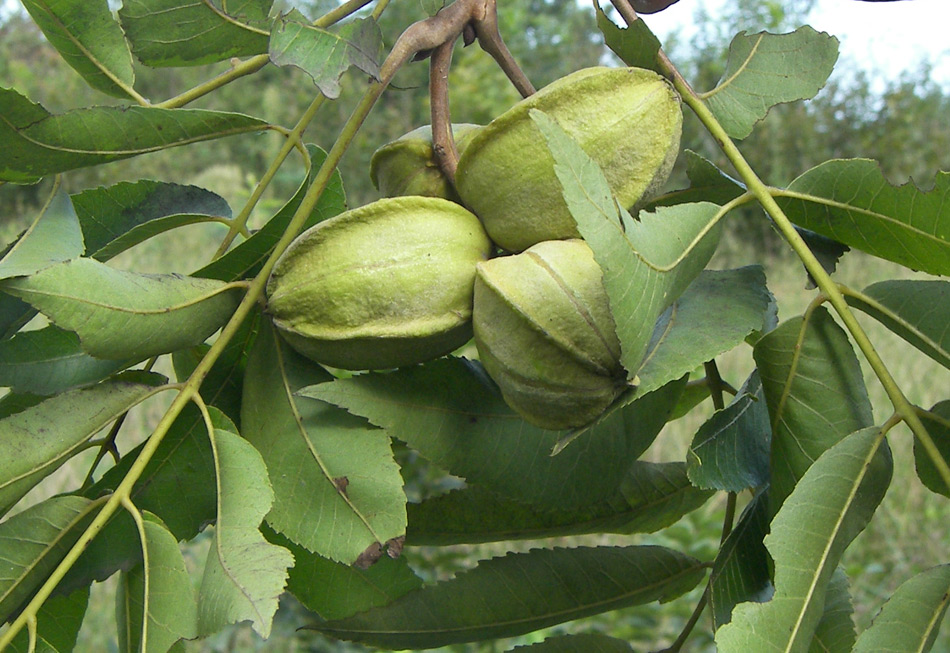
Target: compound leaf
{"type": "Point", "coordinates": [815, 393]}
{"type": "Point", "coordinates": [828, 508]}
{"type": "Point", "coordinates": [451, 413]}
{"type": "Point", "coordinates": [910, 620]}
{"type": "Point", "coordinates": [337, 488]}
{"type": "Point", "coordinates": [850, 201]}
{"type": "Point", "coordinates": [125, 315]}
{"type": "Point", "coordinates": [647, 263]}
{"type": "Point", "coordinates": [323, 54]}
{"type": "Point", "coordinates": [36, 143]}
{"type": "Point", "coordinates": [767, 69]}
{"type": "Point", "coordinates": [519, 593]}
{"type": "Point", "coordinates": [188, 33]}
{"type": "Point", "coordinates": [89, 39]}
{"type": "Point", "coordinates": [245, 574]}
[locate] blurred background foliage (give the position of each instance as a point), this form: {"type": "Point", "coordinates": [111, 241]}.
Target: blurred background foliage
{"type": "Point", "coordinates": [900, 122]}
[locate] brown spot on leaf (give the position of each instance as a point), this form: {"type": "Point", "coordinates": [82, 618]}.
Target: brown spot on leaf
{"type": "Point", "coordinates": [369, 557]}
{"type": "Point", "coordinates": [341, 483]}
{"type": "Point", "coordinates": [394, 546]}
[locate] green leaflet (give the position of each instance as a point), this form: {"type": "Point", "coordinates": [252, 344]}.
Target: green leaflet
{"type": "Point", "coordinates": [910, 620]}
{"type": "Point", "coordinates": [450, 412]}
{"type": "Point", "coordinates": [34, 542]}
{"type": "Point", "coordinates": [53, 237]}
{"type": "Point", "coordinates": [323, 54]}
{"type": "Point", "coordinates": [155, 602]}
{"type": "Point", "coordinates": [125, 315]}
{"type": "Point", "coordinates": [731, 450]}
{"type": "Point", "coordinates": [715, 314]}
{"type": "Point", "coordinates": [57, 624]}
{"type": "Point", "coordinates": [176, 33]}
{"type": "Point", "coordinates": [36, 143]}
{"type": "Point", "coordinates": [120, 216]}
{"type": "Point", "coordinates": [89, 39]}
{"type": "Point", "coordinates": [38, 440]}
{"type": "Point", "coordinates": [815, 392]}
{"type": "Point", "coordinates": [647, 263]}
{"type": "Point", "coordinates": [831, 504]}
{"type": "Point", "coordinates": [767, 69]}
{"type": "Point", "coordinates": [850, 201]}
{"type": "Point", "coordinates": [651, 496]}
{"type": "Point", "coordinates": [519, 593]}
{"type": "Point", "coordinates": [337, 489]}
{"type": "Point", "coordinates": [244, 574]}
{"type": "Point", "coordinates": [917, 311]}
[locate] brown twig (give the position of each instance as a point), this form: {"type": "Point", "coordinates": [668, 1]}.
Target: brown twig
{"type": "Point", "coordinates": [486, 29]}
{"type": "Point", "coordinates": [443, 142]}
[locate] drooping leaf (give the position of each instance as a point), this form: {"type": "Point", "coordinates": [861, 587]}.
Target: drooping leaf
{"type": "Point", "coordinates": [89, 40]}
{"type": "Point", "coordinates": [125, 315]}
{"type": "Point", "coordinates": [36, 441]}
{"type": "Point", "coordinates": [647, 263]}
{"type": "Point", "coordinates": [451, 413]}
{"type": "Point", "coordinates": [36, 143]}
{"type": "Point", "coordinates": [324, 54]}
{"type": "Point", "coordinates": [937, 423]}
{"type": "Point", "coordinates": [917, 311]}
{"type": "Point", "coordinates": [337, 489]}
{"type": "Point", "coordinates": [713, 315]}
{"type": "Point", "coordinates": [851, 202]}
{"type": "Point", "coordinates": [741, 572]}
{"type": "Point", "coordinates": [768, 69]}
{"type": "Point", "coordinates": [815, 392]}
{"type": "Point", "coordinates": [589, 643]}
{"type": "Point", "coordinates": [335, 591]}
{"type": "Point", "coordinates": [707, 183]}
{"type": "Point", "coordinates": [187, 33]}
{"type": "Point", "coordinates": [223, 385]}
{"type": "Point", "coordinates": [636, 45]}
{"type": "Point", "coordinates": [835, 631]}
{"type": "Point", "coordinates": [519, 593]}
{"type": "Point", "coordinates": [245, 259]}
{"type": "Point", "coordinates": [910, 620]}
{"type": "Point", "coordinates": [53, 237]}
{"type": "Point", "coordinates": [57, 624]}
{"type": "Point", "coordinates": [652, 496]}
{"type": "Point", "coordinates": [832, 503]}
{"type": "Point", "coordinates": [34, 542]}
{"type": "Point", "coordinates": [50, 360]}
{"type": "Point", "coordinates": [731, 450]}
{"type": "Point", "coordinates": [120, 216]}
{"type": "Point", "coordinates": [245, 574]}
{"type": "Point", "coordinates": [155, 603]}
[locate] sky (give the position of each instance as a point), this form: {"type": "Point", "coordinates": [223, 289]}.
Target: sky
{"type": "Point", "coordinates": [886, 38]}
